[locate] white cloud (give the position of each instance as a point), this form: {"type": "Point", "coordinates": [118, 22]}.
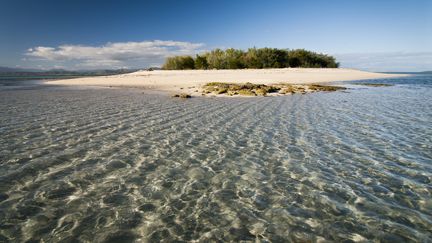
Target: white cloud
{"type": "Point", "coordinates": [152, 53]}
{"type": "Point", "coordinates": [115, 55]}
{"type": "Point", "coordinates": [387, 61]}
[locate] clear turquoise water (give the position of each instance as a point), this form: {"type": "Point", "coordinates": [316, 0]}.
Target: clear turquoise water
{"type": "Point", "coordinates": [104, 165]}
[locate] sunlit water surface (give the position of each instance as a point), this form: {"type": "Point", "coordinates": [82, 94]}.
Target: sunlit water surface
{"type": "Point", "coordinates": [117, 165]}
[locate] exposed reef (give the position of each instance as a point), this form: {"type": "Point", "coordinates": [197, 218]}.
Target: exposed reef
{"type": "Point", "coordinates": [250, 89]}
{"type": "Point", "coordinates": [182, 95]}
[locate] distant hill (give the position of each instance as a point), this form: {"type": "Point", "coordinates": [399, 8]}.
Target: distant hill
{"type": "Point", "coordinates": [21, 74]}
{"type": "Point", "coordinates": [9, 70]}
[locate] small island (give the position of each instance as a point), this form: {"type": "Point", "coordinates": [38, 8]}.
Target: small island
{"type": "Point", "coordinates": [253, 58]}
{"type": "Point", "coordinates": [234, 72]}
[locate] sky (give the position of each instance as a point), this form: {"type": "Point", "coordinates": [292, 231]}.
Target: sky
{"type": "Point", "coordinates": [385, 35]}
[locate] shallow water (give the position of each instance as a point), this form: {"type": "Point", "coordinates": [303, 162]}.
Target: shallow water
{"type": "Point", "coordinates": [119, 165]}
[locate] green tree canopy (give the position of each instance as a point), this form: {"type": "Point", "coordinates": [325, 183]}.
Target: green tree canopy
{"type": "Point", "coordinates": [252, 58]}
{"type": "Point", "coordinates": [179, 63]}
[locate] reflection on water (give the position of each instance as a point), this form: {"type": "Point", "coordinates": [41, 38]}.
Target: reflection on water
{"type": "Point", "coordinates": [120, 165]}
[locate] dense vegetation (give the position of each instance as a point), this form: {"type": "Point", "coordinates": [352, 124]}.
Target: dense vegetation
{"type": "Point", "coordinates": [252, 58]}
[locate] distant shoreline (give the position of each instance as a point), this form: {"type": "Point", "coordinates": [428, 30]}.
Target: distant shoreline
{"type": "Point", "coordinates": [191, 81]}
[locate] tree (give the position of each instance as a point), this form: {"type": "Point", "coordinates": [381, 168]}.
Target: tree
{"type": "Point", "coordinates": [179, 63]}
{"type": "Point", "coordinates": [201, 62]}
{"type": "Point", "coordinates": [251, 59]}
{"type": "Point", "coordinates": [234, 58]}
{"type": "Point", "coordinates": [216, 59]}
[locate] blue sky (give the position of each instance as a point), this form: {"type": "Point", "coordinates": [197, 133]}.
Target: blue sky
{"type": "Point", "coordinates": [371, 35]}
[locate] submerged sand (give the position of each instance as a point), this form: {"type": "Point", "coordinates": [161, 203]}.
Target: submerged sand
{"type": "Point", "coordinates": [190, 81]}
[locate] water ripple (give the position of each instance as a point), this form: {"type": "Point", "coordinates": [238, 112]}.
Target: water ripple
{"type": "Point", "coordinates": [119, 165]}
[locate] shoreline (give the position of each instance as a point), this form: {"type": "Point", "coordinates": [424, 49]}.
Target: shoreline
{"type": "Point", "coordinates": [191, 81]}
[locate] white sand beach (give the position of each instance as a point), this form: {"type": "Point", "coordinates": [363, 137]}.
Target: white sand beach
{"type": "Point", "coordinates": [191, 80]}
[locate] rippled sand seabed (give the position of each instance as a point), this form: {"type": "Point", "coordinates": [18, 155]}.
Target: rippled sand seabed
{"type": "Point", "coordinates": [118, 165]}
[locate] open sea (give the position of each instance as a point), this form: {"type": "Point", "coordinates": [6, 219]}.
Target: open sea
{"type": "Point", "coordinates": [127, 165]}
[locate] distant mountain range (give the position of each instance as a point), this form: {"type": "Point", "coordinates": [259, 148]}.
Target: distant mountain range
{"type": "Point", "coordinates": [60, 72]}
{"type": "Point", "coordinates": [10, 70]}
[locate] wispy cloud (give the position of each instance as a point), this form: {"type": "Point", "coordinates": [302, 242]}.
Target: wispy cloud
{"type": "Point", "coordinates": [114, 55]}
{"type": "Point", "coordinates": [387, 61]}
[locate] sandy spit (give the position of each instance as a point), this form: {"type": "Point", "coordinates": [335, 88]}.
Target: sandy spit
{"type": "Point", "coordinates": [190, 81]}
